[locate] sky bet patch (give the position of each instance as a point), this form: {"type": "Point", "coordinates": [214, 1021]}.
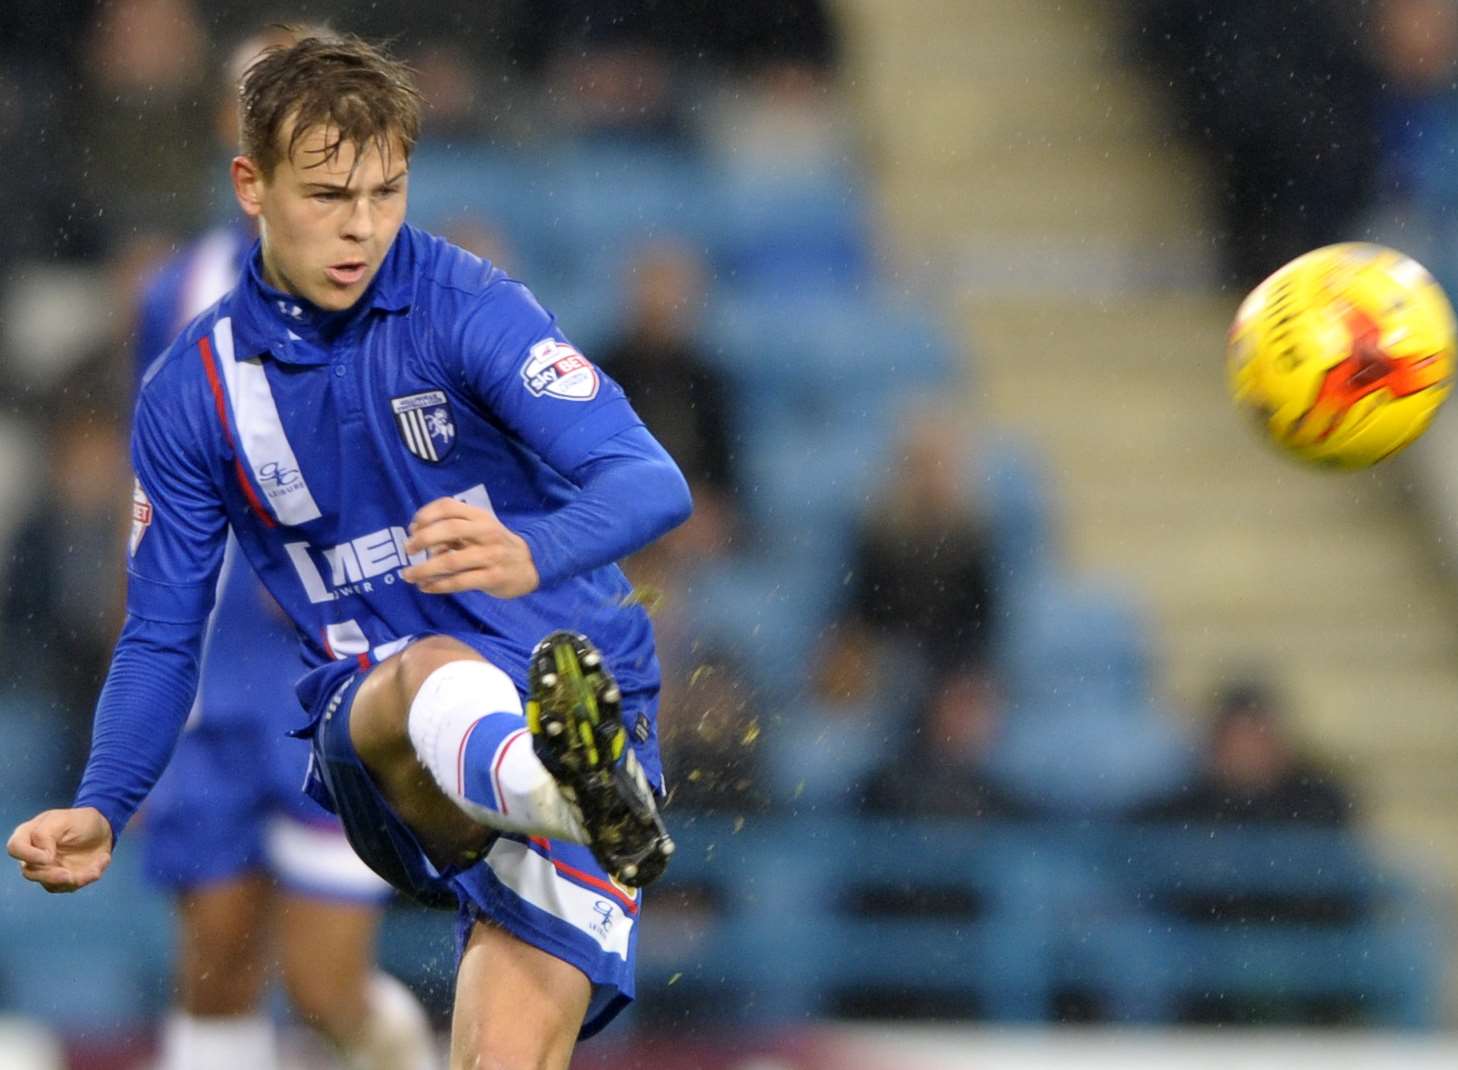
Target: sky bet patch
{"type": "Point", "coordinates": [554, 368]}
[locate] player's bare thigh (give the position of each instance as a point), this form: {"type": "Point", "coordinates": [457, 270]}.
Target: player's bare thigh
{"type": "Point", "coordinates": [378, 727]}
{"type": "Point", "coordinates": [517, 1007]}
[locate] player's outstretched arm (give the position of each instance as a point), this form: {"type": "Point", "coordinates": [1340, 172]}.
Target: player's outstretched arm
{"type": "Point", "coordinates": [62, 850]}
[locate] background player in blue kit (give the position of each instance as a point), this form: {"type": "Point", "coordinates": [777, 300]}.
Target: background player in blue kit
{"type": "Point", "coordinates": [428, 478]}
{"type": "Point", "coordinates": [260, 872]}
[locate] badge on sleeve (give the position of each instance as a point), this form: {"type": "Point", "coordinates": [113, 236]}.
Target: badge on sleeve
{"type": "Point", "coordinates": [141, 517]}
{"type": "Point", "coordinates": [556, 369]}
{"type": "Point", "coordinates": [426, 424]}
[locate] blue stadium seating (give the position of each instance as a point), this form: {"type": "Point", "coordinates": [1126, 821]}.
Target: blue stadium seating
{"type": "Point", "coordinates": [98, 960]}
{"type": "Point", "coordinates": [783, 918]}
{"type": "Point", "coordinates": [1084, 734]}
{"type": "Point", "coordinates": [33, 767]}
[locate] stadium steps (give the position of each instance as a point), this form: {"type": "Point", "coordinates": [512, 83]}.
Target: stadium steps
{"type": "Point", "coordinates": [1026, 171]}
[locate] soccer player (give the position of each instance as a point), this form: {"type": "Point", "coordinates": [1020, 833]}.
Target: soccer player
{"type": "Point", "coordinates": [252, 858]}
{"type": "Point", "coordinates": [428, 478]}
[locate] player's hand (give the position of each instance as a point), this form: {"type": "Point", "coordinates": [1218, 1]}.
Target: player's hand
{"type": "Point", "coordinates": [469, 550]}
{"type": "Point", "coordinates": [62, 850]}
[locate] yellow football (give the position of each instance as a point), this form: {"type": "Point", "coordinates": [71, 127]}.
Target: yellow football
{"type": "Point", "coordinates": [1343, 356]}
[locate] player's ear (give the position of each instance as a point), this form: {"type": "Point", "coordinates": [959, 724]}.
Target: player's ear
{"type": "Point", "coordinates": [248, 184]}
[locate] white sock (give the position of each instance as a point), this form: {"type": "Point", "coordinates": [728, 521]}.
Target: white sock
{"type": "Point", "coordinates": [211, 1042]}
{"type": "Point", "coordinates": [467, 727]}
{"type": "Point", "coordinates": [398, 1034]}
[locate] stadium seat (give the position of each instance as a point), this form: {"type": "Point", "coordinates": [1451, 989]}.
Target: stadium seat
{"type": "Point", "coordinates": [838, 359]}
{"type": "Point", "coordinates": [33, 763]}
{"type": "Point", "coordinates": [1085, 735]}
{"type": "Point", "coordinates": [1009, 481]}
{"type": "Point", "coordinates": [764, 612]}
{"type": "Point", "coordinates": [817, 918]}
{"type": "Point", "coordinates": [1078, 640]}
{"type": "Point", "coordinates": [97, 961]}
{"type": "Point", "coordinates": [775, 919]}
{"type": "Point", "coordinates": [799, 233]}
{"type": "Point", "coordinates": [1368, 936]}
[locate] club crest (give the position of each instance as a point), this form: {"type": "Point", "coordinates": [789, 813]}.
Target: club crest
{"type": "Point", "coordinates": [426, 424]}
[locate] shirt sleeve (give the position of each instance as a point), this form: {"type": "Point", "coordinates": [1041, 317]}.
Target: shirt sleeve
{"type": "Point", "coordinates": [149, 690]}
{"type": "Point", "coordinates": [528, 376]}
{"type": "Point", "coordinates": [179, 526]}
{"type": "Point", "coordinates": [596, 527]}
{"type": "Point", "coordinates": [175, 552]}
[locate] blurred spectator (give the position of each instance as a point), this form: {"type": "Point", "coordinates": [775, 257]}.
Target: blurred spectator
{"type": "Point", "coordinates": [741, 36]}
{"type": "Point", "coordinates": [63, 565]}
{"type": "Point", "coordinates": [711, 726]}
{"type": "Point", "coordinates": [1254, 778]}
{"type": "Point", "coordinates": [147, 72]}
{"type": "Point", "coordinates": [941, 769]}
{"type": "Point", "coordinates": [608, 71]}
{"type": "Point", "coordinates": [923, 566]}
{"type": "Point", "coordinates": [756, 34]}
{"type": "Point", "coordinates": [1415, 48]}
{"type": "Point", "coordinates": [682, 398]}
{"type": "Point", "coordinates": [1283, 96]}
{"type": "Point", "coordinates": [1254, 772]}
{"type": "Point", "coordinates": [658, 361]}
{"type": "Point", "coordinates": [819, 754]}
{"type": "Point", "coordinates": [785, 148]}
{"type": "Point", "coordinates": [41, 71]}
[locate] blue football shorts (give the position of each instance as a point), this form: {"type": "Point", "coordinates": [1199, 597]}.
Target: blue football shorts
{"type": "Point", "coordinates": [230, 804]}
{"type": "Point", "coordinates": [549, 894]}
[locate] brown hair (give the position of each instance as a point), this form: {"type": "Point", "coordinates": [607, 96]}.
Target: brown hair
{"type": "Point", "coordinates": [346, 85]}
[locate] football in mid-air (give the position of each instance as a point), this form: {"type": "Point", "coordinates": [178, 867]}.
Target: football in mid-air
{"type": "Point", "coordinates": [1343, 356]}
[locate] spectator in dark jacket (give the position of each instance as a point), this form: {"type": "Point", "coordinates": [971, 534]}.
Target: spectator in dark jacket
{"type": "Point", "coordinates": [1254, 772]}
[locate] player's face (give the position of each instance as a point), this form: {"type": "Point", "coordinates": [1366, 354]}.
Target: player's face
{"type": "Point", "coordinates": [326, 223]}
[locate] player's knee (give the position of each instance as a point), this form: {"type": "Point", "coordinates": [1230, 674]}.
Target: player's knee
{"type": "Point", "coordinates": [333, 1004]}
{"type": "Point", "coordinates": [379, 721]}
{"type": "Point", "coordinates": [416, 662]}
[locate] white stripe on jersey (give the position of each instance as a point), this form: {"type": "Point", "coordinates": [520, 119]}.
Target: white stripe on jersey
{"type": "Point", "coordinates": [261, 435]}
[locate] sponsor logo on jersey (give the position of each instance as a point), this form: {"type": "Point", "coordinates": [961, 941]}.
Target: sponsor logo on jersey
{"type": "Point", "coordinates": [604, 910]}
{"type": "Point", "coordinates": [556, 369]}
{"type": "Point", "coordinates": [141, 517]}
{"type": "Point", "coordinates": [426, 424]}
{"type": "Point", "coordinates": [356, 566]}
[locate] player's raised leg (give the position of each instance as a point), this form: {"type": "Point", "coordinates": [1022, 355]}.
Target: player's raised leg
{"type": "Point", "coordinates": [443, 734]}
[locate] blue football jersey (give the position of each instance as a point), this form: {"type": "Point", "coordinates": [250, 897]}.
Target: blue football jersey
{"type": "Point", "coordinates": [250, 657]}
{"type": "Point", "coordinates": [316, 437]}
